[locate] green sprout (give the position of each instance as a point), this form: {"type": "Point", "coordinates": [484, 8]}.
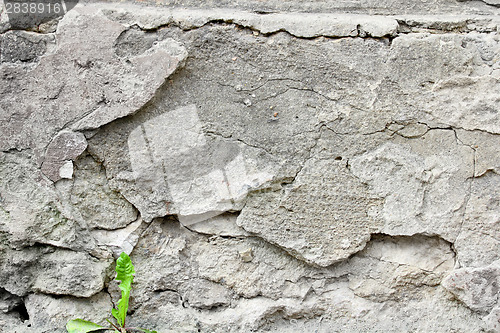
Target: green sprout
{"type": "Point", "coordinates": [125, 274]}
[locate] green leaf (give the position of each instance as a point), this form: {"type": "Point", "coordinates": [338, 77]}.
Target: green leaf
{"type": "Point", "coordinates": [145, 330]}
{"type": "Point", "coordinates": [125, 273]}
{"type": "Point", "coordinates": [82, 326]}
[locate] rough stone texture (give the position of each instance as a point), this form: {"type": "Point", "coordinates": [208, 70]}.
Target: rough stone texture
{"type": "Point", "coordinates": [476, 287]}
{"type": "Point", "coordinates": [24, 47]}
{"type": "Point", "coordinates": [31, 210]}
{"type": "Point", "coordinates": [492, 321]}
{"type": "Point", "coordinates": [58, 272]}
{"type": "Point", "coordinates": [324, 216]}
{"type": "Point", "coordinates": [45, 310]}
{"type": "Point", "coordinates": [321, 166]}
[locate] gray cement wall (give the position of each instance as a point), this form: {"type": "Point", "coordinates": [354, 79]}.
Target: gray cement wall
{"type": "Point", "coordinates": [282, 166]}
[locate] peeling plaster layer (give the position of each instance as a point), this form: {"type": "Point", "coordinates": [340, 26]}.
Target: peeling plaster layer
{"type": "Point", "coordinates": [307, 25]}
{"type": "Point", "coordinates": [299, 25]}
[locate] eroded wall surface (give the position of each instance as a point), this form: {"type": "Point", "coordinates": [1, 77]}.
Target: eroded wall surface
{"type": "Point", "coordinates": [286, 166]}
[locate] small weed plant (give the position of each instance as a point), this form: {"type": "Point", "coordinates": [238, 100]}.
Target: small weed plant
{"type": "Point", "coordinates": [125, 274]}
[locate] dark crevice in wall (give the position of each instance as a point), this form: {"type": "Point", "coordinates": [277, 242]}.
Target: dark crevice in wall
{"type": "Point", "coordinates": [10, 302]}
{"type": "Point", "coordinates": [16, 150]}
{"type": "Point", "coordinates": [210, 235]}
{"type": "Point", "coordinates": [423, 236]}
{"type": "Point", "coordinates": [22, 311]}
{"type": "Point", "coordinates": [106, 290]}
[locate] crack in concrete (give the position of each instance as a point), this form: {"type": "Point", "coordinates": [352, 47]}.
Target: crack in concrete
{"type": "Point", "coordinates": [309, 157]}
{"type": "Point", "coordinates": [315, 92]}
{"type": "Point", "coordinates": [469, 188]}
{"type": "Point", "coordinates": [106, 290]}
{"type": "Point", "coordinates": [468, 196]}
{"type": "Point", "coordinates": [233, 139]}
{"type": "Point", "coordinates": [253, 89]}
{"type": "Point", "coordinates": [492, 3]}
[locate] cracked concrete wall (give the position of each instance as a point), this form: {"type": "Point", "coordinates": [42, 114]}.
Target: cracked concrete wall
{"type": "Point", "coordinates": [321, 166]}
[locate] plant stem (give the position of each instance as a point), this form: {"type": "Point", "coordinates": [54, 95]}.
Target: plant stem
{"type": "Point", "coordinates": [116, 327]}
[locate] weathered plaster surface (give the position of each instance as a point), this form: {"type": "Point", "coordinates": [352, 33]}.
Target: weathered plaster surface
{"type": "Point", "coordinates": [269, 165]}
